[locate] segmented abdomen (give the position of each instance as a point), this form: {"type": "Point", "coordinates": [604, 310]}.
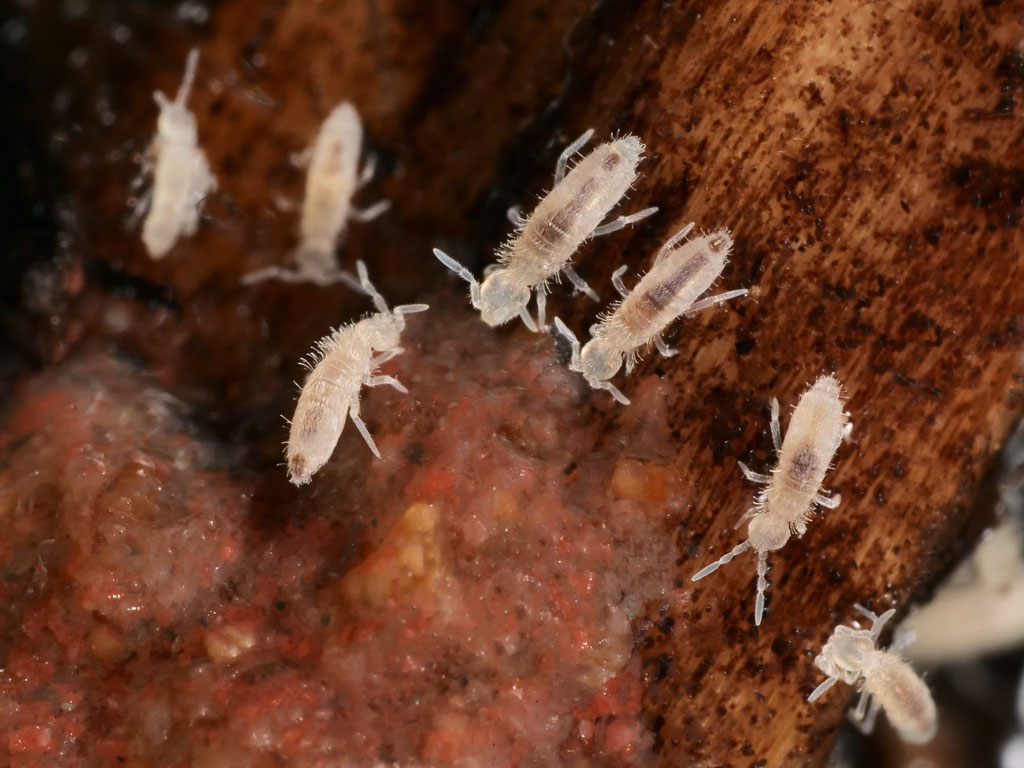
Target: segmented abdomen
{"type": "Point", "coordinates": [571, 212]}
{"type": "Point", "coordinates": [904, 696]}
{"type": "Point", "coordinates": [672, 285]}
{"type": "Point", "coordinates": [341, 361]}
{"type": "Point", "coordinates": [814, 434]}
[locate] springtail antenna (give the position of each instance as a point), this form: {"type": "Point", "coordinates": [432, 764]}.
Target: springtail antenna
{"type": "Point", "coordinates": [465, 274]}
{"type": "Point", "coordinates": [367, 287]}
{"type": "Point", "coordinates": [191, 64]}
{"type": "Point", "coordinates": [726, 558]}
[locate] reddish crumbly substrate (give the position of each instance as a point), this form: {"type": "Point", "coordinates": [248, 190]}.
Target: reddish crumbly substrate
{"type": "Point", "coordinates": [464, 601]}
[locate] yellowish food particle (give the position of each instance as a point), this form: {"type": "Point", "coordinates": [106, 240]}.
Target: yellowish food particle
{"type": "Point", "coordinates": [405, 566]}
{"type": "Point", "coordinates": [227, 643]}
{"type": "Point", "coordinates": [106, 644]}
{"type": "Point", "coordinates": [506, 510]}
{"type": "Point", "coordinates": [637, 480]}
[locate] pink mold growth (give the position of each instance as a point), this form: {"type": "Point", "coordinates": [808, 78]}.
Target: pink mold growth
{"type": "Point", "coordinates": [120, 504]}
{"type": "Point", "coordinates": [121, 534]}
{"type": "Point", "coordinates": [467, 600]}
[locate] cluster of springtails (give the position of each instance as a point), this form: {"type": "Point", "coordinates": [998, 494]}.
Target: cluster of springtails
{"type": "Point", "coordinates": [543, 246]}
{"type": "Point", "coordinates": [345, 360]}
{"type": "Point", "coordinates": [540, 251]}
{"type": "Point", "coordinates": [182, 180]}
{"type": "Point", "coordinates": [791, 493]}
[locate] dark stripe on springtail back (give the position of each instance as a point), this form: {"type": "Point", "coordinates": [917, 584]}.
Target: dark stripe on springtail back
{"type": "Point", "coordinates": [660, 295]}
{"type": "Point", "coordinates": [555, 229]}
{"type": "Point", "coordinates": [804, 465]}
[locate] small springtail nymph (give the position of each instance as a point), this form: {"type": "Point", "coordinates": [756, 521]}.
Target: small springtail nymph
{"type": "Point", "coordinates": [341, 364]}
{"type": "Point", "coordinates": [679, 275]}
{"type": "Point", "coordinates": [887, 681]}
{"type": "Point", "coordinates": [793, 489]}
{"type": "Point", "coordinates": [181, 173]}
{"type": "Point", "coordinates": [333, 179]}
{"type": "Point", "coordinates": [544, 242]}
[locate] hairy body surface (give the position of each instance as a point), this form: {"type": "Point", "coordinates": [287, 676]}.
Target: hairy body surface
{"type": "Point", "coordinates": [545, 242]}
{"type": "Point", "coordinates": [886, 680]}
{"type": "Point", "coordinates": [793, 488]}
{"type": "Point", "coordinates": [678, 276]}
{"type": "Point", "coordinates": [341, 364]}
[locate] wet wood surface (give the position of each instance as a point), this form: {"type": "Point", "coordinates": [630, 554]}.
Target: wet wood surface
{"type": "Point", "coordinates": [864, 155]}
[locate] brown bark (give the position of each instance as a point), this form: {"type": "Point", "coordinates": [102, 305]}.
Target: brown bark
{"type": "Point", "coordinates": [863, 156]}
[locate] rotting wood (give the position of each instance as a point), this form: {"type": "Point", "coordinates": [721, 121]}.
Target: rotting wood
{"type": "Point", "coordinates": [863, 156]}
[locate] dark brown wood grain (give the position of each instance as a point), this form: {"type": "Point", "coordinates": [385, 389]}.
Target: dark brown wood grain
{"type": "Point", "coordinates": [865, 157]}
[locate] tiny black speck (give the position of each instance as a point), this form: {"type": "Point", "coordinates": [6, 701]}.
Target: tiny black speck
{"type": "Point", "coordinates": [744, 345]}
{"type": "Point", "coordinates": [416, 453]}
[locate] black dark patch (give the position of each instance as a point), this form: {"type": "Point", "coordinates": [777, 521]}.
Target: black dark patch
{"type": "Point", "coordinates": [416, 453]}
{"type": "Point", "coordinates": [745, 345]}
{"type": "Point", "coordinates": [997, 190]}
{"type": "Point", "coordinates": [804, 465]}
{"type": "Point", "coordinates": [114, 280]}
{"type": "Point", "coordinates": [563, 347]}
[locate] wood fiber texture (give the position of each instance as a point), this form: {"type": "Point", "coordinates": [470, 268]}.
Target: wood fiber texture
{"type": "Point", "coordinates": [865, 157]}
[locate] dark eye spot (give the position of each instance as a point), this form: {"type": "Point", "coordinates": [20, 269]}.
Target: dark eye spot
{"type": "Point", "coordinates": [613, 159]}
